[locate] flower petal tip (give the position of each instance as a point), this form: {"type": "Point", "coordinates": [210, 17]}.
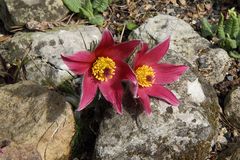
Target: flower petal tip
{"type": "Point", "coordinates": [185, 68]}
{"type": "Point", "coordinates": [176, 104]}
{"type": "Point", "coordinates": [80, 108]}
{"type": "Point", "coordinates": [119, 111]}
{"type": "Point", "coordinates": [148, 113]}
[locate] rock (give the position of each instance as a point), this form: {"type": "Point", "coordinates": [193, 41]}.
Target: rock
{"type": "Point", "coordinates": [19, 12]}
{"type": "Point", "coordinates": [36, 123]}
{"type": "Point", "coordinates": [186, 43]}
{"type": "Point", "coordinates": [184, 132]}
{"type": "Point", "coordinates": [42, 51]}
{"type": "Point", "coordinates": [232, 107]}
{"type": "Point", "coordinates": [232, 152]}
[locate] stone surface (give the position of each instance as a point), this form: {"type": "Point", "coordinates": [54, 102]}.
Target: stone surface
{"type": "Point", "coordinates": [19, 12]}
{"type": "Point", "coordinates": [232, 107]}
{"type": "Point", "coordinates": [184, 132]}
{"type": "Point", "coordinates": [36, 123]}
{"type": "Point", "coordinates": [43, 49]}
{"type": "Point", "coordinates": [186, 43]}
{"type": "Point", "coordinates": [232, 152]}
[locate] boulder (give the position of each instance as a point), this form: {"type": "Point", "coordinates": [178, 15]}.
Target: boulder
{"type": "Point", "coordinates": [36, 123]}
{"type": "Point", "coordinates": [212, 63]}
{"type": "Point", "coordinates": [19, 12]}
{"type": "Point", "coordinates": [40, 51]}
{"type": "Point", "coordinates": [184, 132]}
{"type": "Point", "coordinates": [232, 107]}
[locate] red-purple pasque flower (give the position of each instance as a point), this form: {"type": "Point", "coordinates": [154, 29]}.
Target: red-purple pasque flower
{"type": "Point", "coordinates": [103, 68]}
{"type": "Point", "coordinates": [152, 75]}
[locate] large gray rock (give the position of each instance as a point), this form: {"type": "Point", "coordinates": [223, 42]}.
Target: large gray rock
{"type": "Point", "coordinates": [232, 107]}
{"type": "Point", "coordinates": [184, 132]}
{"type": "Point", "coordinates": [19, 12]}
{"type": "Point", "coordinates": [36, 123]}
{"type": "Point", "coordinates": [41, 51]}
{"type": "Point", "coordinates": [211, 63]}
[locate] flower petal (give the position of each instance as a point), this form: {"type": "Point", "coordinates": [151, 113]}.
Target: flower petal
{"type": "Point", "coordinates": [113, 93]}
{"type": "Point", "coordinates": [139, 54]}
{"type": "Point", "coordinates": [163, 93]}
{"type": "Point", "coordinates": [124, 72]}
{"type": "Point", "coordinates": [112, 89]}
{"type": "Point", "coordinates": [106, 42]}
{"type": "Point", "coordinates": [78, 62]}
{"type": "Point", "coordinates": [155, 54]}
{"type": "Point", "coordinates": [168, 73]}
{"type": "Point", "coordinates": [122, 50]}
{"type": "Point", "coordinates": [89, 89]}
{"type": "Point", "coordinates": [145, 101]}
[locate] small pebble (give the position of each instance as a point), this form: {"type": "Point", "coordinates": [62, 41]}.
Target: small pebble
{"type": "Point", "coordinates": [229, 77]}
{"type": "Point", "coordinates": [202, 62]}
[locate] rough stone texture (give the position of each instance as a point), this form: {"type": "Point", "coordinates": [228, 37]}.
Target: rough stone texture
{"type": "Point", "coordinates": [232, 107]}
{"type": "Point", "coordinates": [43, 50]}
{"type": "Point", "coordinates": [232, 152]}
{"type": "Point", "coordinates": [36, 123]}
{"type": "Point", "coordinates": [181, 133]}
{"type": "Point", "coordinates": [211, 63]}
{"type": "Point", "coordinates": [19, 12]}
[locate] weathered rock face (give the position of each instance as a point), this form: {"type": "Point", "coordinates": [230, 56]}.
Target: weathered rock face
{"type": "Point", "coordinates": [35, 123]}
{"type": "Point", "coordinates": [232, 107]}
{"type": "Point", "coordinates": [19, 12]}
{"type": "Point", "coordinates": [211, 63]}
{"type": "Point", "coordinates": [169, 133]}
{"type": "Point", "coordinates": [43, 51]}
{"type": "Point", "coordinates": [184, 132]}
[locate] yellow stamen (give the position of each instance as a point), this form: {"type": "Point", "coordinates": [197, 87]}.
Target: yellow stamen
{"type": "Point", "coordinates": [103, 68]}
{"type": "Point", "coordinates": [145, 76]}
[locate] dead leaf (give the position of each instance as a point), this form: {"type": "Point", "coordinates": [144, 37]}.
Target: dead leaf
{"type": "Point", "coordinates": [173, 1]}
{"type": "Point", "coordinates": [201, 7]}
{"type": "Point", "coordinates": [208, 6]}
{"type": "Point", "coordinates": [4, 38]}
{"type": "Point", "coordinates": [182, 2]}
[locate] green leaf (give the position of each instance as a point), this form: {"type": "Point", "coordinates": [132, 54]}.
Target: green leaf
{"type": "Point", "coordinates": [228, 25]}
{"type": "Point", "coordinates": [234, 54]}
{"type": "Point", "coordinates": [100, 5]}
{"type": "Point", "coordinates": [230, 43]}
{"type": "Point", "coordinates": [235, 24]}
{"type": "Point", "coordinates": [131, 25]}
{"type": "Point", "coordinates": [86, 13]}
{"type": "Point", "coordinates": [87, 5]}
{"type": "Point", "coordinates": [73, 5]}
{"type": "Point", "coordinates": [206, 28]}
{"type": "Point", "coordinates": [97, 20]}
{"type": "Point", "coordinates": [86, 9]}
{"type": "Point", "coordinates": [235, 27]}
{"type": "Point", "coordinates": [220, 30]}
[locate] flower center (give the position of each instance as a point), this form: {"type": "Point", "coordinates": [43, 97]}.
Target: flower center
{"type": "Point", "coordinates": [103, 68]}
{"type": "Point", "coordinates": [145, 76]}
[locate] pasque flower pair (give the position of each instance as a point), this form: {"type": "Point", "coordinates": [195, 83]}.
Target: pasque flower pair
{"type": "Point", "coordinates": [105, 69]}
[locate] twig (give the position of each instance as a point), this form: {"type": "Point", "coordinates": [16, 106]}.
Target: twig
{"type": "Point", "coordinates": [124, 26]}
{"type": "Point", "coordinates": [70, 18]}
{"type": "Point", "coordinates": [85, 45]}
